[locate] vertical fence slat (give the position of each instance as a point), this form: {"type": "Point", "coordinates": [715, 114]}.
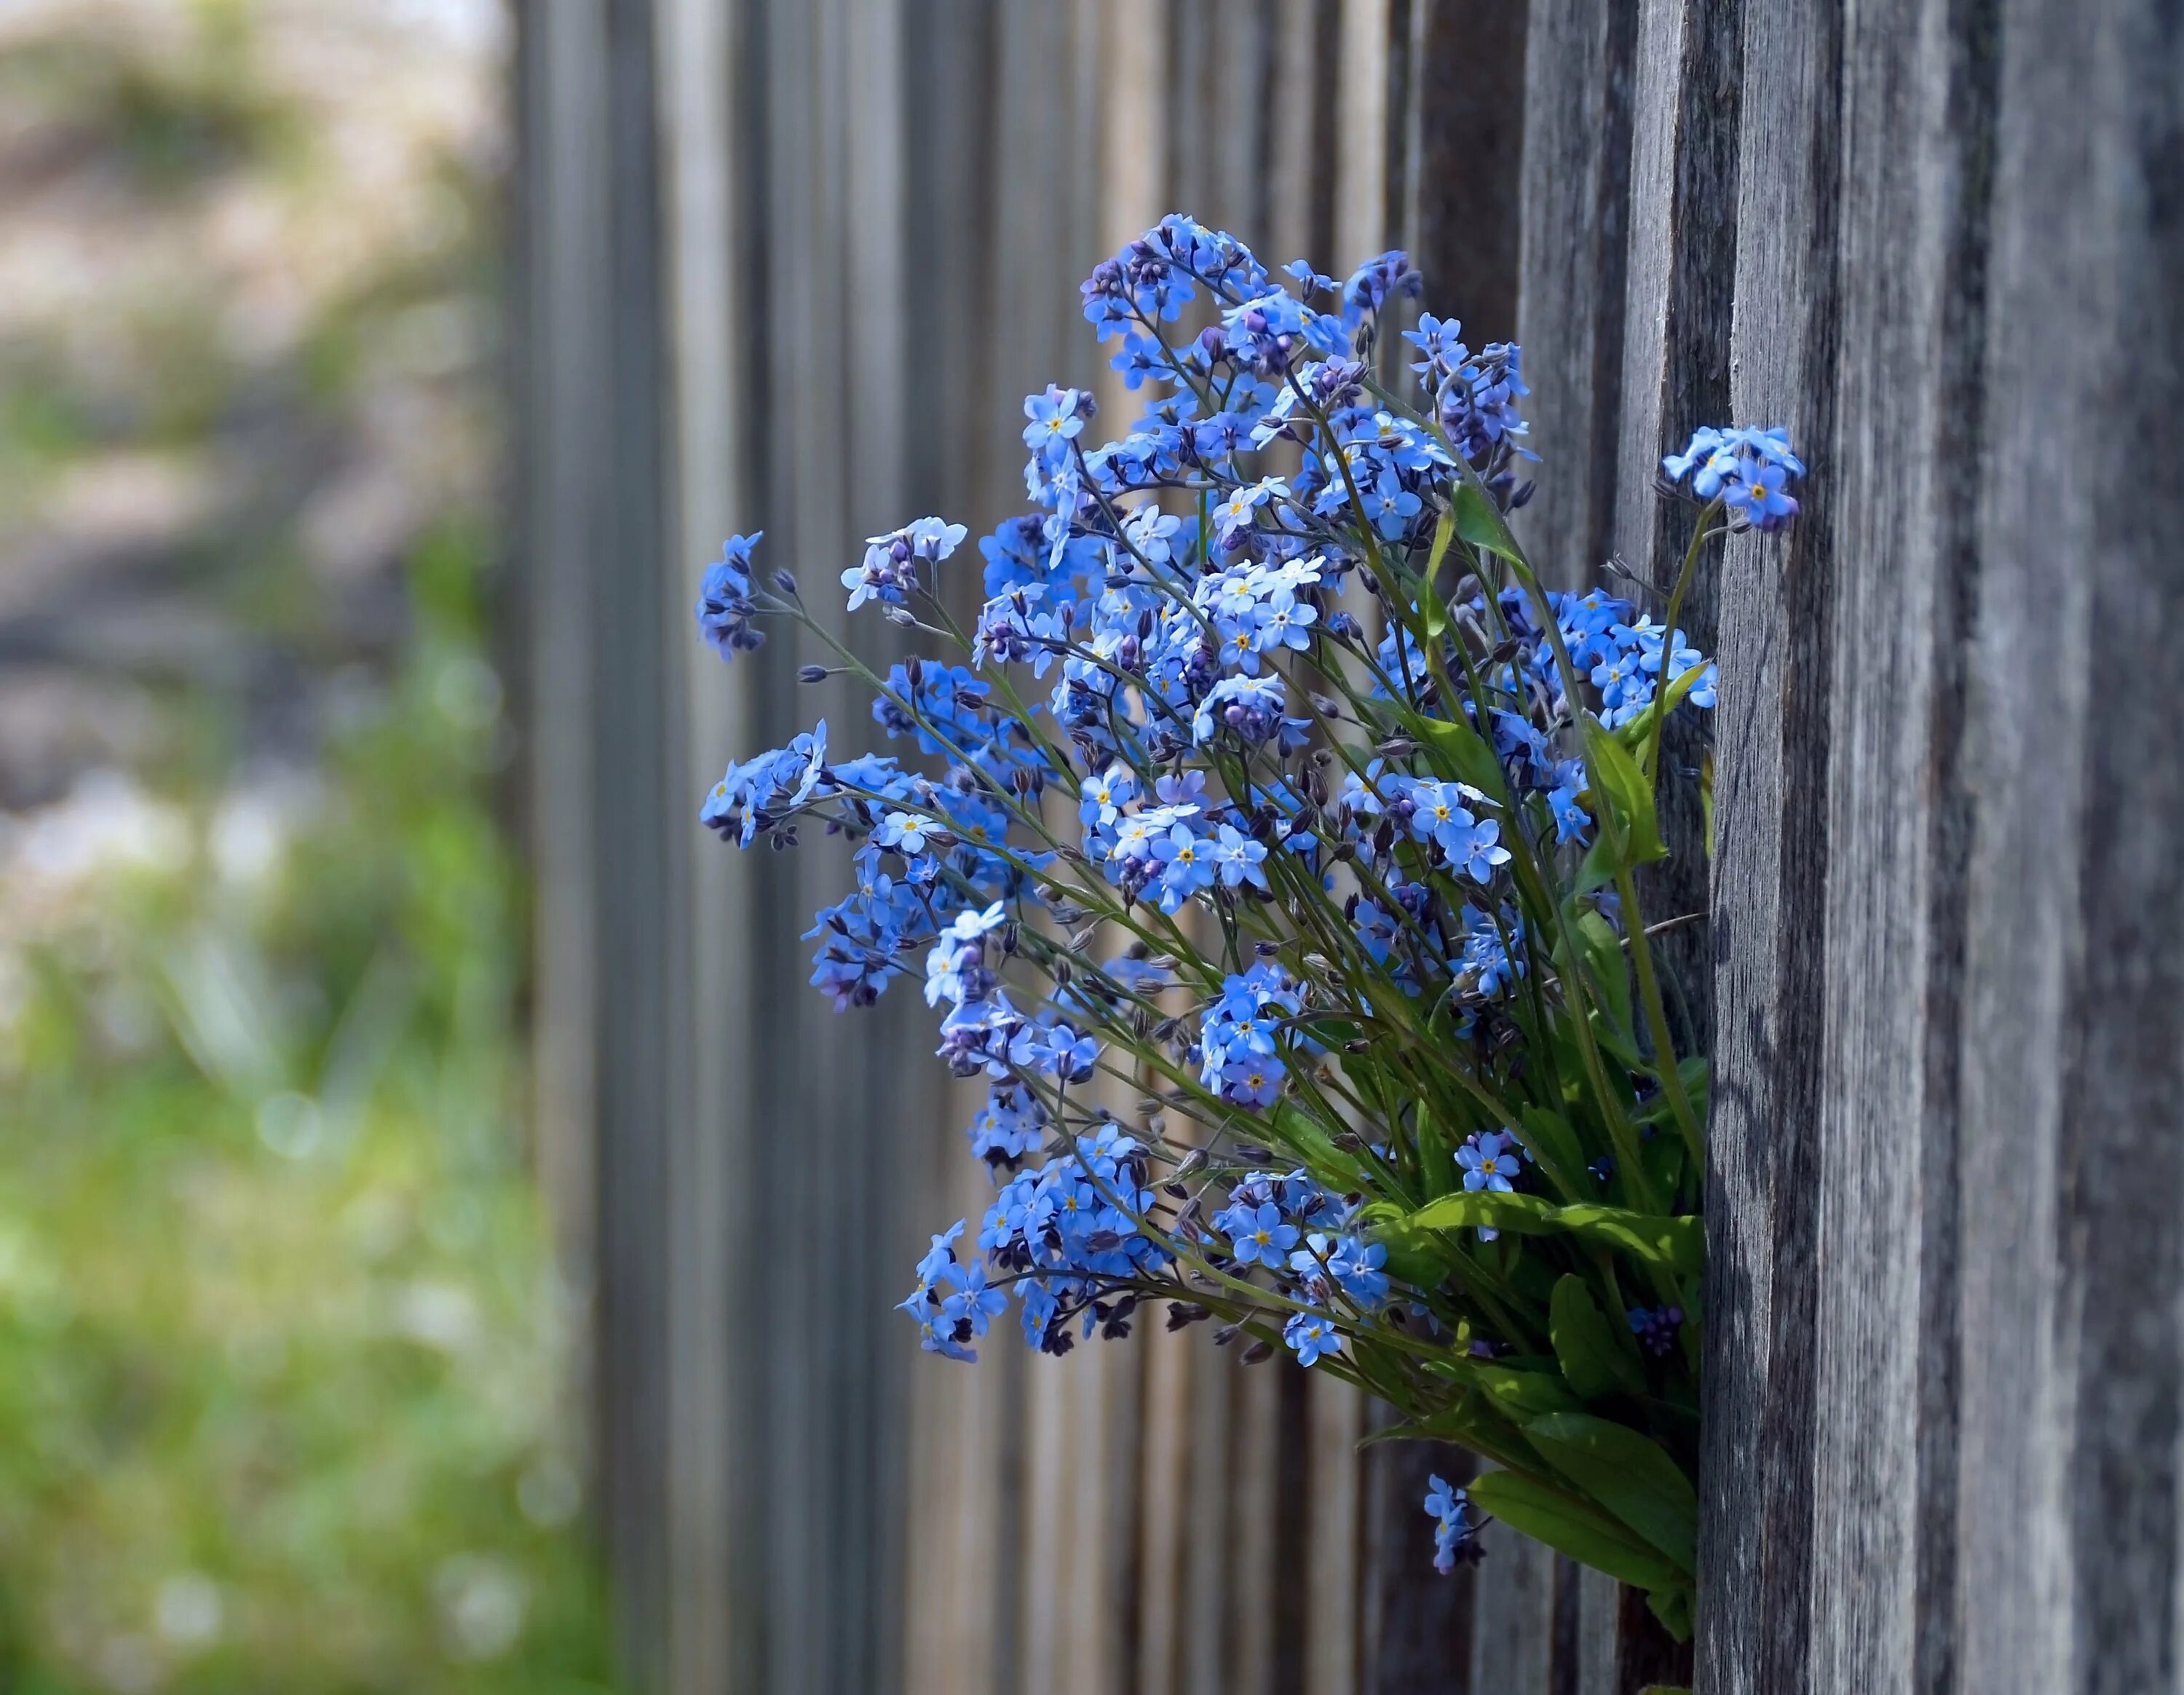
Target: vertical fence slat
{"type": "Point", "coordinates": [2071, 998]}
{"type": "Point", "coordinates": [1769, 876]}
{"type": "Point", "coordinates": [1945, 1246]}
{"type": "Point", "coordinates": [1574, 249]}
{"type": "Point", "coordinates": [694, 73]}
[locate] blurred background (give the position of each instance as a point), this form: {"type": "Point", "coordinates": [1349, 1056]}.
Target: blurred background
{"type": "Point", "coordinates": [443, 1247]}
{"type": "Point", "coordinates": [285, 1364]}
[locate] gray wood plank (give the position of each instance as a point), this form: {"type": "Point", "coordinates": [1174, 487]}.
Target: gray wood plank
{"type": "Point", "coordinates": [2069, 1017]}
{"type": "Point", "coordinates": [1950, 1083]}
{"type": "Point", "coordinates": [1463, 165]}
{"type": "Point", "coordinates": [709, 1213]}
{"type": "Point", "coordinates": [1573, 248]}
{"type": "Point", "coordinates": [1769, 920]}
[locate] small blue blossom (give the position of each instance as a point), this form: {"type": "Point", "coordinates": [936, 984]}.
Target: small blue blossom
{"type": "Point", "coordinates": [1254, 1081]}
{"type": "Point", "coordinates": [725, 603]}
{"type": "Point", "coordinates": [1456, 1527]}
{"type": "Point", "coordinates": [890, 570]}
{"type": "Point", "coordinates": [1254, 707]}
{"type": "Point", "coordinates": [1239, 859]}
{"type": "Point", "coordinates": [1311, 1336]}
{"type": "Point", "coordinates": [1260, 1236]}
{"type": "Point", "coordinates": [907, 834]}
{"type": "Point", "coordinates": [1057, 419]}
{"type": "Point", "coordinates": [1487, 1162]}
{"type": "Point", "coordinates": [1187, 866]}
{"type": "Point", "coordinates": [1572, 820]}
{"type": "Point", "coordinates": [1375, 283]}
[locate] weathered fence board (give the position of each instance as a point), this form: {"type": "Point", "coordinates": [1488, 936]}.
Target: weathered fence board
{"type": "Point", "coordinates": [1945, 1339]}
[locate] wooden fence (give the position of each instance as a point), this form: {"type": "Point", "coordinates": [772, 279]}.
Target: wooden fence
{"type": "Point", "coordinates": [793, 262]}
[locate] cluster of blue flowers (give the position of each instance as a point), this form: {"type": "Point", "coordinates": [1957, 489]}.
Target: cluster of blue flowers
{"type": "Point", "coordinates": [1747, 470]}
{"type": "Point", "coordinates": [1068, 1234]}
{"type": "Point", "coordinates": [1173, 720]}
{"type": "Point", "coordinates": [1303, 1242]}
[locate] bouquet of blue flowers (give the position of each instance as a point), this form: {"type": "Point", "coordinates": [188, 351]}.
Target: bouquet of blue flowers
{"type": "Point", "coordinates": [1270, 844]}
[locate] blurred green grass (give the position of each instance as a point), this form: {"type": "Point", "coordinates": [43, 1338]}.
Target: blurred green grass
{"type": "Point", "coordinates": [282, 1391]}
{"type": "Point", "coordinates": [286, 1396]}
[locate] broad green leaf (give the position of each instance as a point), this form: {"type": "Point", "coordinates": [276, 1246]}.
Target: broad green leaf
{"type": "Point", "coordinates": [1548, 1137]}
{"type": "Point", "coordinates": [1698, 1082]}
{"type": "Point", "coordinates": [1611, 970]}
{"type": "Point", "coordinates": [1599, 866]}
{"type": "Point", "coordinates": [1572, 1527]}
{"type": "Point", "coordinates": [1706, 798]}
{"type": "Point", "coordinates": [1521, 1395]}
{"type": "Point", "coordinates": [1595, 1361]}
{"type": "Point", "coordinates": [1674, 1608]}
{"type": "Point", "coordinates": [1622, 800]}
{"type": "Point", "coordinates": [1415, 1255]}
{"type": "Point", "coordinates": [1436, 1159]}
{"type": "Point", "coordinates": [1487, 1209]}
{"type": "Point", "coordinates": [1444, 533]}
{"type": "Point", "coordinates": [1480, 524]}
{"type": "Point", "coordinates": [1465, 756]}
{"type": "Point", "coordinates": [1628, 1474]}
{"type": "Point", "coordinates": [1306, 1136]}
{"type": "Point", "coordinates": [1675, 1244]}
{"type": "Point", "coordinates": [1671, 1244]}
{"type": "Point", "coordinates": [1430, 605]}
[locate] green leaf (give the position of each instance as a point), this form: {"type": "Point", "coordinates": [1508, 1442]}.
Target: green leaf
{"type": "Point", "coordinates": [1627, 1474]}
{"type": "Point", "coordinates": [1569, 1525]}
{"type": "Point", "coordinates": [1637, 733]}
{"type": "Point", "coordinates": [1521, 1395]}
{"type": "Point", "coordinates": [1480, 524]}
{"type": "Point", "coordinates": [1430, 606]}
{"type": "Point", "coordinates": [1594, 1362]}
{"type": "Point", "coordinates": [1552, 1141]}
{"type": "Point", "coordinates": [1611, 971]}
{"type": "Point", "coordinates": [1674, 1608]}
{"type": "Point", "coordinates": [1306, 1136]}
{"type": "Point", "coordinates": [1706, 798]}
{"type": "Point", "coordinates": [1675, 1244]}
{"type": "Point", "coordinates": [1416, 1255]}
{"type": "Point", "coordinates": [1622, 800]}
{"type": "Point", "coordinates": [1436, 1159]}
{"type": "Point", "coordinates": [1486, 1208]}
{"type": "Point", "coordinates": [1599, 866]}
{"type": "Point", "coordinates": [1466, 757]}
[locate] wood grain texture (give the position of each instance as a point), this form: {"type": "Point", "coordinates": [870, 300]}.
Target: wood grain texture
{"type": "Point", "coordinates": [1573, 250]}
{"type": "Point", "coordinates": [1944, 1425]}
{"type": "Point", "coordinates": [1464, 146]}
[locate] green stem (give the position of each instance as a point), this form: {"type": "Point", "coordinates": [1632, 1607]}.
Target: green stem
{"type": "Point", "coordinates": [1657, 1018]}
